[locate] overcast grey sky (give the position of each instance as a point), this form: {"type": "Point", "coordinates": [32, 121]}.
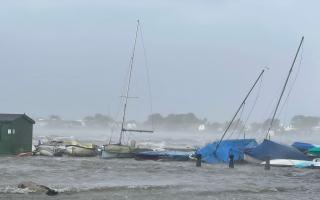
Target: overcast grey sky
{"type": "Point", "coordinates": [70, 57]}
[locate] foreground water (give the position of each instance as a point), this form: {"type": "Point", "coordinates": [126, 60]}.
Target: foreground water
{"type": "Point", "coordinates": [95, 179]}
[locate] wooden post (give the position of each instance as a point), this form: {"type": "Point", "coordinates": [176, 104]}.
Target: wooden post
{"type": "Point", "coordinates": [231, 160]}
{"type": "Point", "coordinates": [267, 165]}
{"type": "Point", "coordinates": [198, 163]}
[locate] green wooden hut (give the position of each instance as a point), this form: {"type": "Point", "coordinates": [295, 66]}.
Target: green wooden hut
{"type": "Point", "coordinates": [15, 133]}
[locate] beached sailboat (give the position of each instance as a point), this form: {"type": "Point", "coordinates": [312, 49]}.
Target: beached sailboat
{"type": "Point", "coordinates": [219, 151]}
{"type": "Point", "coordinates": [121, 150]}
{"type": "Point", "coordinates": [270, 150]}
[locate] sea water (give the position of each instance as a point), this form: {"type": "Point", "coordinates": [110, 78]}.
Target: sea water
{"type": "Point", "coordinates": [95, 178]}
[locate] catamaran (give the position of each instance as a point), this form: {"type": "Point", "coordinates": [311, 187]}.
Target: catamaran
{"type": "Point", "coordinates": [121, 149]}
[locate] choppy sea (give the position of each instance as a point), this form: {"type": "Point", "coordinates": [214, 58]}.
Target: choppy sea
{"type": "Point", "coordinates": [95, 178]}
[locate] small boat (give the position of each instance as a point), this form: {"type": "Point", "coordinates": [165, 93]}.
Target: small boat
{"type": "Point", "coordinates": [315, 151]}
{"type": "Point", "coordinates": [25, 154]}
{"type": "Point", "coordinates": [165, 155]}
{"type": "Point", "coordinates": [303, 147]}
{"type": "Point", "coordinates": [314, 164]}
{"type": "Point", "coordinates": [285, 162]}
{"type": "Point", "coordinates": [81, 150]}
{"type": "Point", "coordinates": [49, 150]}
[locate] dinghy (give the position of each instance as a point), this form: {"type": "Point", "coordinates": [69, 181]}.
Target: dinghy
{"type": "Point", "coordinates": [50, 150]}
{"type": "Point", "coordinates": [285, 162]}
{"type": "Point", "coordinates": [314, 164]}
{"type": "Point", "coordinates": [303, 147]}
{"type": "Point", "coordinates": [315, 151]}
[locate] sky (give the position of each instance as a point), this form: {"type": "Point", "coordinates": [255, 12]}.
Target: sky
{"type": "Point", "coordinates": [71, 58]}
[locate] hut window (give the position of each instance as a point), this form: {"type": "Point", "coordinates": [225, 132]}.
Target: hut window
{"type": "Point", "coordinates": [13, 131]}
{"type": "Point", "coordinates": [9, 131]}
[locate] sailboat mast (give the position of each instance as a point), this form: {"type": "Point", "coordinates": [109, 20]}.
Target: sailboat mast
{"type": "Point", "coordinates": [128, 86]}
{"type": "Point", "coordinates": [243, 102]}
{"type": "Point", "coordinates": [283, 89]}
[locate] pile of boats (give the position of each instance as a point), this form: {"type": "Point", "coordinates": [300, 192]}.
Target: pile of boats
{"type": "Point", "coordinates": [70, 148]}
{"type": "Point", "coordinates": [300, 155]}
{"type": "Point", "coordinates": [57, 148]}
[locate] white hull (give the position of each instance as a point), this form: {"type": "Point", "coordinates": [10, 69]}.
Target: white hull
{"type": "Point", "coordinates": [44, 152]}
{"type": "Point", "coordinates": [50, 150]}
{"type": "Point", "coordinates": [314, 164]}
{"type": "Point", "coordinates": [284, 162]}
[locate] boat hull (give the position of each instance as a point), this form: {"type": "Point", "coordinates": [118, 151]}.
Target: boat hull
{"type": "Point", "coordinates": [79, 151]}
{"type": "Point", "coordinates": [50, 150]}
{"type": "Point", "coordinates": [285, 162]}
{"type": "Point", "coordinates": [164, 155]}
{"type": "Point", "coordinates": [110, 155]}
{"type": "Point", "coordinates": [120, 151]}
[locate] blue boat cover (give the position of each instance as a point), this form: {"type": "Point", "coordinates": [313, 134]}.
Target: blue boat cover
{"type": "Point", "coordinates": [209, 154]}
{"type": "Point", "coordinates": [304, 147]}
{"type": "Point", "coordinates": [272, 150]}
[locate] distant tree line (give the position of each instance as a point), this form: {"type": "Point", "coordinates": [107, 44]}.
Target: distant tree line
{"type": "Point", "coordinates": [184, 122]}
{"type": "Point", "coordinates": [175, 122]}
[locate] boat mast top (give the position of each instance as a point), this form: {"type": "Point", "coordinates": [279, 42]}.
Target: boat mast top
{"type": "Point", "coordinates": [241, 105]}
{"type": "Point", "coordinates": [283, 89]}
{"type": "Point", "coordinates": [128, 86]}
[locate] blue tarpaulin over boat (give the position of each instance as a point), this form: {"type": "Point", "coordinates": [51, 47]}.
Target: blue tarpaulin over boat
{"type": "Point", "coordinates": [272, 150]}
{"type": "Point", "coordinates": [304, 147]}
{"type": "Point", "coordinates": [209, 154]}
